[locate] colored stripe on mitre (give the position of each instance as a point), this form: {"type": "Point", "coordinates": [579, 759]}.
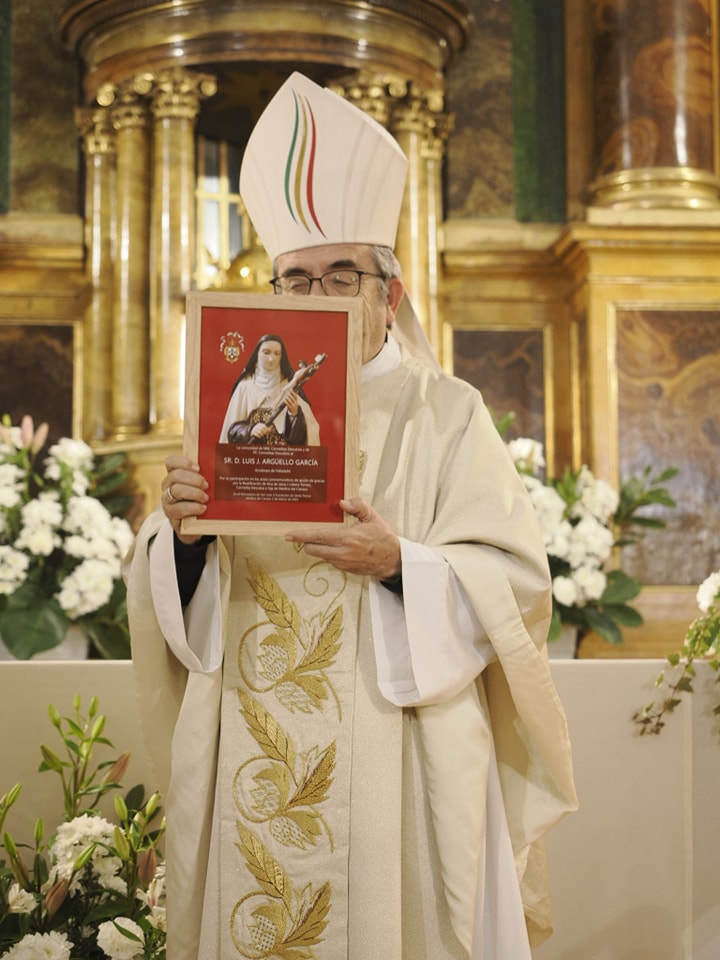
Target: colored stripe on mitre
{"type": "Point", "coordinates": [300, 166]}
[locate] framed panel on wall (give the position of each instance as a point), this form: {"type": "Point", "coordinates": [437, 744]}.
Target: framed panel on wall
{"type": "Point", "coordinates": [668, 415]}
{"type": "Point", "coordinates": [511, 366]}
{"type": "Point", "coordinates": [40, 361]}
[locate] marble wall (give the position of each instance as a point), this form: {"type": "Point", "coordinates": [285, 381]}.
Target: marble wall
{"type": "Point", "coordinates": [44, 152]}
{"type": "Point", "coordinates": [479, 164]}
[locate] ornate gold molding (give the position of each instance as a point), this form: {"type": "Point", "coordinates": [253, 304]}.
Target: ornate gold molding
{"type": "Point", "coordinates": [413, 38]}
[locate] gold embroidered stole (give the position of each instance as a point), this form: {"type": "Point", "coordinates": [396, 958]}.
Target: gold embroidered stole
{"type": "Point", "coordinates": [285, 753]}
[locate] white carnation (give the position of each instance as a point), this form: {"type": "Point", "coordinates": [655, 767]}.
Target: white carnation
{"type": "Point", "coordinates": [87, 588]}
{"type": "Point", "coordinates": [122, 534]}
{"type": "Point", "coordinates": [74, 836]}
{"type": "Point", "coordinates": [84, 513]}
{"type": "Point", "coordinates": [94, 533]}
{"type": "Point", "coordinates": [106, 869]}
{"type": "Point", "coordinates": [39, 539]}
{"type": "Point", "coordinates": [115, 944]}
{"type": "Point", "coordinates": [708, 591]}
{"type": "Point", "coordinates": [40, 946]}
{"type": "Point", "coordinates": [74, 454]}
{"type": "Point", "coordinates": [11, 485]}
{"type": "Point", "coordinates": [13, 569]}
{"type": "Point", "coordinates": [9, 497]}
{"type": "Point", "coordinates": [46, 510]}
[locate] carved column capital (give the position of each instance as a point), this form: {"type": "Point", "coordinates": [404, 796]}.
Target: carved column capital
{"type": "Point", "coordinates": [368, 91]}
{"type": "Point", "coordinates": [96, 130]}
{"type": "Point", "coordinates": [177, 92]}
{"type": "Point", "coordinates": [129, 113]}
{"type": "Point", "coordinates": [439, 128]}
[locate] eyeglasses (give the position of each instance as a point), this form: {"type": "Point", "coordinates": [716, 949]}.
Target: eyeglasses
{"type": "Point", "coordinates": [335, 283]}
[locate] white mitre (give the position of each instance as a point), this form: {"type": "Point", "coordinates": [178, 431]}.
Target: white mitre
{"type": "Point", "coordinates": [317, 170]}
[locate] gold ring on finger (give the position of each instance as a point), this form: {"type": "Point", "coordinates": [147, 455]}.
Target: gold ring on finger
{"type": "Point", "coordinates": [168, 495]}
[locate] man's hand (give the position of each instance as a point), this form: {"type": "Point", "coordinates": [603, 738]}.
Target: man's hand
{"type": "Point", "coordinates": [183, 493]}
{"type": "Point", "coordinates": [369, 548]}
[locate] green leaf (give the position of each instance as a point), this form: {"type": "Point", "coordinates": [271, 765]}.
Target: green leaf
{"type": "Point", "coordinates": [31, 623]}
{"type": "Point", "coordinates": [555, 625]}
{"type": "Point", "coordinates": [110, 640]}
{"type": "Point", "coordinates": [603, 625]}
{"type": "Point", "coordinates": [620, 587]}
{"type": "Point", "coordinates": [627, 616]}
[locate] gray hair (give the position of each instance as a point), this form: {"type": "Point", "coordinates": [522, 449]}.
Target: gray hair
{"type": "Point", "coordinates": [387, 264]}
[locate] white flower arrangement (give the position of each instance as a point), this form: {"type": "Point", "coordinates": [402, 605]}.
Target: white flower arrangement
{"type": "Point", "coordinates": [583, 520]}
{"type": "Point", "coordinates": [701, 642]}
{"type": "Point", "coordinates": [97, 889]}
{"type": "Point", "coordinates": [61, 546]}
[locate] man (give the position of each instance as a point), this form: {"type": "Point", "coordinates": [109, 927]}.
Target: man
{"type": "Point", "coordinates": [356, 730]}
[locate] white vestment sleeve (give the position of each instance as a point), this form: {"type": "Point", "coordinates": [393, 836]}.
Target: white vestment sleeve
{"type": "Point", "coordinates": [195, 636]}
{"type": "Point", "coordinates": [429, 644]}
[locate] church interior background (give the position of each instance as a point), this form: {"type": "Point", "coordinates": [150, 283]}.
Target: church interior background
{"type": "Point", "coordinates": [559, 232]}
{"type": "Point", "coordinates": [560, 237]}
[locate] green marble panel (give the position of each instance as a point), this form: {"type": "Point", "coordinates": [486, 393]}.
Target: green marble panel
{"type": "Point", "coordinates": [538, 83]}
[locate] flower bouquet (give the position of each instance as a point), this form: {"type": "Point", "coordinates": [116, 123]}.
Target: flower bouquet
{"type": "Point", "coordinates": [701, 642]}
{"type": "Point", "coordinates": [61, 544]}
{"type": "Point", "coordinates": [95, 890]}
{"type": "Point", "coordinates": [583, 520]}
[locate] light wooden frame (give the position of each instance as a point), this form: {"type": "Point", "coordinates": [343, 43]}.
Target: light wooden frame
{"type": "Point", "coordinates": [216, 319]}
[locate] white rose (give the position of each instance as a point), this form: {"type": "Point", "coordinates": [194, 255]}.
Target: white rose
{"type": "Point", "coordinates": [558, 544]}
{"type": "Point", "coordinates": [708, 591]}
{"type": "Point", "coordinates": [565, 591]}
{"type": "Point", "coordinates": [527, 454]}
{"type": "Point", "coordinates": [600, 500]}
{"type": "Point", "coordinates": [590, 581]}
{"type": "Point", "coordinates": [589, 539]}
{"type": "Point", "coordinates": [116, 945]}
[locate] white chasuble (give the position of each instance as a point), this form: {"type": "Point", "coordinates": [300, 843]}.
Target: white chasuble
{"type": "Point", "coordinates": [343, 825]}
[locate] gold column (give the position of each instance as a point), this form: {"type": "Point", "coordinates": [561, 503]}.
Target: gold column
{"type": "Point", "coordinates": [407, 125]}
{"type": "Point", "coordinates": [98, 139]}
{"type": "Point", "coordinates": [414, 116]}
{"type": "Point", "coordinates": [419, 126]}
{"type": "Point", "coordinates": [175, 104]}
{"type": "Point", "coordinates": [655, 90]}
{"type": "Point", "coordinates": [132, 259]}
{"type": "Point", "coordinates": [433, 150]}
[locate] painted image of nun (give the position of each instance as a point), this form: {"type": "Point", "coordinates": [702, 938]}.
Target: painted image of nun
{"type": "Point", "coordinates": [265, 407]}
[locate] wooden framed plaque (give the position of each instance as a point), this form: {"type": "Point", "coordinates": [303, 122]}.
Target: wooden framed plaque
{"type": "Point", "coordinates": [272, 409]}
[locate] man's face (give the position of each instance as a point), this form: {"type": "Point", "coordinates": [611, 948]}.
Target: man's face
{"type": "Point", "coordinates": [378, 307]}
